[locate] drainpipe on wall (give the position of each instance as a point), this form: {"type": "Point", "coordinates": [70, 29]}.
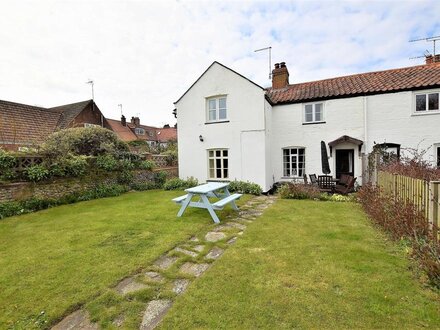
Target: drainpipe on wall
{"type": "Point", "coordinates": [365, 124]}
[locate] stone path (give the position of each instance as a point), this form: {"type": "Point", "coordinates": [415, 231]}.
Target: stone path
{"type": "Point", "coordinates": [173, 272]}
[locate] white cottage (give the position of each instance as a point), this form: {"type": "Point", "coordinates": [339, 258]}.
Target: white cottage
{"type": "Point", "coordinates": [231, 128]}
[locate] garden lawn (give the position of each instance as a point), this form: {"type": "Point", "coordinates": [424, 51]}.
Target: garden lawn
{"type": "Point", "coordinates": [307, 264]}
{"type": "Point", "coordinates": [55, 260]}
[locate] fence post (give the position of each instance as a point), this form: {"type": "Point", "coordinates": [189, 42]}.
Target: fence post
{"type": "Point", "coordinates": [434, 187]}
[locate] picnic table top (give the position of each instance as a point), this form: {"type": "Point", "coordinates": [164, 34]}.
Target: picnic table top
{"type": "Point", "coordinates": [207, 187]}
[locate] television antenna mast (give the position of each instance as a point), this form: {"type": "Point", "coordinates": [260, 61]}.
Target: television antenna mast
{"type": "Point", "coordinates": [270, 58]}
{"type": "Point", "coordinates": [93, 93]}
{"type": "Point", "coordinates": [120, 107]}
{"type": "Point", "coordinates": [428, 39]}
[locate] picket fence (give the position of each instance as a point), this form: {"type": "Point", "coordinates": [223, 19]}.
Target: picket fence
{"type": "Point", "coordinates": [424, 195]}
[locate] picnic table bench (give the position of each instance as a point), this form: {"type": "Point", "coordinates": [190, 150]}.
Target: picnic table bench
{"type": "Point", "coordinates": [204, 191]}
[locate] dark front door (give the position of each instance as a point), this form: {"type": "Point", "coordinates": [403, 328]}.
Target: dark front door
{"type": "Point", "coordinates": [344, 162]}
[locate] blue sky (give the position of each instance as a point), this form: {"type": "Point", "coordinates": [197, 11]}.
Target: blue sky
{"type": "Point", "coordinates": [145, 54]}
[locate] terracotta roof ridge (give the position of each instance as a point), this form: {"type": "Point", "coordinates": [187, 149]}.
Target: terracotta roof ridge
{"type": "Point", "coordinates": [427, 66]}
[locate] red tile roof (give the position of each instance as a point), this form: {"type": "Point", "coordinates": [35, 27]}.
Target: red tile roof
{"type": "Point", "coordinates": [123, 132]}
{"type": "Point", "coordinates": [388, 81]}
{"type": "Point", "coordinates": [166, 134]}
{"type": "Point", "coordinates": [22, 124]}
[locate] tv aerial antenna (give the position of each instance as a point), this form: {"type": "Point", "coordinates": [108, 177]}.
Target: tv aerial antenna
{"type": "Point", "coordinates": [270, 58]}
{"type": "Point", "coordinates": [120, 107]}
{"type": "Point", "coordinates": [93, 92]}
{"type": "Point", "coordinates": [433, 39]}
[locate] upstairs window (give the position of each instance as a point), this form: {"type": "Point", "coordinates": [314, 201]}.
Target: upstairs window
{"type": "Point", "coordinates": [314, 113]}
{"type": "Point", "coordinates": [216, 109]}
{"type": "Point", "coordinates": [139, 131]}
{"type": "Point", "coordinates": [218, 164]}
{"type": "Point", "coordinates": [294, 162]}
{"type": "Point", "coordinates": [427, 102]}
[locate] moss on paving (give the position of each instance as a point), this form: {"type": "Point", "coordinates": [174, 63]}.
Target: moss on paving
{"type": "Point", "coordinates": [53, 261]}
{"type": "Point", "coordinates": [307, 264]}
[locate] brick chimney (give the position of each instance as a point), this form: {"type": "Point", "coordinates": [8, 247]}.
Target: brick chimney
{"type": "Point", "coordinates": [280, 76]}
{"type": "Point", "coordinates": [123, 121]}
{"type": "Point", "coordinates": [135, 121]}
{"type": "Point", "coordinates": [430, 59]}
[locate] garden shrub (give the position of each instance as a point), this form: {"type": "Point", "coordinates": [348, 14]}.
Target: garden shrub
{"type": "Point", "coordinates": [7, 163]}
{"type": "Point", "coordinates": [93, 141]}
{"type": "Point", "coordinates": [159, 178]}
{"type": "Point", "coordinates": [179, 184]}
{"type": "Point", "coordinates": [300, 191]}
{"type": "Point", "coordinates": [146, 165]}
{"type": "Point", "coordinates": [243, 187]}
{"type": "Point", "coordinates": [106, 162]}
{"type": "Point", "coordinates": [7, 160]}
{"type": "Point", "coordinates": [403, 222]}
{"type": "Point", "coordinates": [143, 186]}
{"type": "Point", "coordinates": [37, 173]}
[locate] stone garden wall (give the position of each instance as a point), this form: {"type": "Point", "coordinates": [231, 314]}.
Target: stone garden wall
{"type": "Point", "coordinates": [58, 188]}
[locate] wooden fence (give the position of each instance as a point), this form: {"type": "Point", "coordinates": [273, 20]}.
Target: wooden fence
{"type": "Point", "coordinates": [424, 195]}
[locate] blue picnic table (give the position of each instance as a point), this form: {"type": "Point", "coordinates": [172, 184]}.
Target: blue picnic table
{"type": "Point", "coordinates": [203, 192]}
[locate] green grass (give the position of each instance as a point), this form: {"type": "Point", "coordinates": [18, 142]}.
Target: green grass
{"type": "Point", "coordinates": [307, 264]}
{"type": "Point", "coordinates": [53, 261]}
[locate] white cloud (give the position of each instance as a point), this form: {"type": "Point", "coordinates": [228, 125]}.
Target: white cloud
{"type": "Point", "coordinates": [146, 54]}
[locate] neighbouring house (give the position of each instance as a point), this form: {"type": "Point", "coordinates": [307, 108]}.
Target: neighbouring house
{"type": "Point", "coordinates": [232, 128]}
{"type": "Point", "coordinates": [25, 126]}
{"type": "Point", "coordinates": [134, 130]}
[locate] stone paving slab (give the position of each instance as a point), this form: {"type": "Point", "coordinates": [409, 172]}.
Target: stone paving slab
{"type": "Point", "coordinates": [236, 225]}
{"type": "Point", "coordinates": [232, 240]}
{"type": "Point", "coordinates": [199, 248]}
{"type": "Point", "coordinates": [154, 313]}
{"type": "Point", "coordinates": [128, 285]}
{"type": "Point", "coordinates": [77, 320]}
{"type": "Point", "coordinates": [214, 253]}
{"type": "Point", "coordinates": [193, 269]}
{"type": "Point", "coordinates": [165, 262]}
{"type": "Point", "coordinates": [187, 252]}
{"type": "Point", "coordinates": [154, 276]}
{"type": "Point", "coordinates": [180, 285]}
{"type": "Point", "coordinates": [214, 236]}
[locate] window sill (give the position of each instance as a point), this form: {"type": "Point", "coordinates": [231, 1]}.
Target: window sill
{"type": "Point", "coordinates": [426, 113]}
{"type": "Point", "coordinates": [217, 122]}
{"type": "Point", "coordinates": [314, 122]}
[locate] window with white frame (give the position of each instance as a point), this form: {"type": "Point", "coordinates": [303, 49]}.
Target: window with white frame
{"type": "Point", "coordinates": [426, 102]}
{"type": "Point", "coordinates": [218, 164]}
{"type": "Point", "coordinates": [139, 131]}
{"type": "Point", "coordinates": [216, 109]}
{"type": "Point", "coordinates": [314, 113]}
{"type": "Point", "coordinates": [294, 162]}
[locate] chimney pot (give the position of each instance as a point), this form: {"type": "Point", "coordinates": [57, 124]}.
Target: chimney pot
{"type": "Point", "coordinates": [277, 65]}
{"type": "Point", "coordinates": [123, 121]}
{"type": "Point", "coordinates": [282, 64]}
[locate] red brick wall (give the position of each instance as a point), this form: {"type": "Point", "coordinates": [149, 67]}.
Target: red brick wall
{"type": "Point", "coordinates": [91, 115]}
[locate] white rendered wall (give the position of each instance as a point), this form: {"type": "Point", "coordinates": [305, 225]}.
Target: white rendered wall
{"type": "Point", "coordinates": [243, 135]}
{"type": "Point", "coordinates": [391, 119]}
{"type": "Point", "coordinates": [341, 116]}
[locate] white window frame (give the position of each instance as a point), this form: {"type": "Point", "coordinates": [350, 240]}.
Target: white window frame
{"type": "Point", "coordinates": [217, 108]}
{"type": "Point", "coordinates": [139, 131]}
{"type": "Point", "coordinates": [292, 156]}
{"type": "Point", "coordinates": [212, 166]}
{"type": "Point", "coordinates": [314, 121]}
{"type": "Point", "coordinates": [426, 111]}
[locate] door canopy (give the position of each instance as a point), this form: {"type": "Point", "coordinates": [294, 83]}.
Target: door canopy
{"type": "Point", "coordinates": [345, 139]}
